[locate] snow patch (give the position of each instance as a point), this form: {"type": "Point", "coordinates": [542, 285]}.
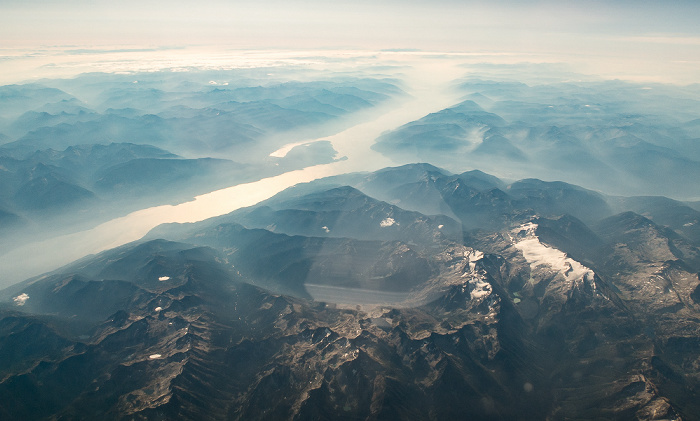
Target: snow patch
{"type": "Point", "coordinates": [440, 226]}
{"type": "Point", "coordinates": [473, 257]}
{"type": "Point", "coordinates": [325, 228]}
{"type": "Point", "coordinates": [21, 299]}
{"type": "Point", "coordinates": [157, 309]}
{"type": "Point", "coordinates": [480, 288]}
{"type": "Point", "coordinates": [689, 224]}
{"type": "Point", "coordinates": [164, 278]}
{"type": "Point", "coordinates": [476, 282]}
{"type": "Point", "coordinates": [387, 222]}
{"type": "Point", "coordinates": [538, 254]}
{"type": "Point", "coordinates": [154, 356]}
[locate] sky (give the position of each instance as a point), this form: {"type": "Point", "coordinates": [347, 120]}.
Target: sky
{"type": "Point", "coordinates": [663, 36]}
{"type": "Point", "coordinates": [444, 24]}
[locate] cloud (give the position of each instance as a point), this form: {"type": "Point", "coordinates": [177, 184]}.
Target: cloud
{"type": "Point", "coordinates": [663, 39]}
{"type": "Point", "coordinates": [81, 51]}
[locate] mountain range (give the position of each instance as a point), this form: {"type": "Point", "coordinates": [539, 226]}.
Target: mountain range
{"type": "Point", "coordinates": [605, 135]}
{"type": "Point", "coordinates": [406, 293]}
{"type": "Point", "coordinates": [77, 152]}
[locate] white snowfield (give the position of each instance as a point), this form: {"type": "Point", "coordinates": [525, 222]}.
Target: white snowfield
{"type": "Point", "coordinates": [387, 222]}
{"type": "Point", "coordinates": [21, 299]}
{"type": "Point", "coordinates": [478, 286]}
{"type": "Point", "coordinates": [538, 254]}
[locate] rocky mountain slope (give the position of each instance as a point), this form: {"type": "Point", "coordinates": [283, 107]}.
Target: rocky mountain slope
{"type": "Point", "coordinates": [342, 299]}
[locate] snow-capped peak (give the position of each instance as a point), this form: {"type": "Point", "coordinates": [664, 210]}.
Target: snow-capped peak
{"type": "Point", "coordinates": [473, 256]}
{"type": "Point", "coordinates": [538, 254]}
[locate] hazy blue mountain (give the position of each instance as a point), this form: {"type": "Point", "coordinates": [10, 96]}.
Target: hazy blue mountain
{"type": "Point", "coordinates": [497, 145]}
{"type": "Point", "coordinates": [482, 181]}
{"type": "Point", "coordinates": [447, 130]}
{"type": "Point", "coordinates": [273, 117]}
{"type": "Point", "coordinates": [195, 118]}
{"type": "Point", "coordinates": [145, 139]}
{"type": "Point", "coordinates": [603, 135]}
{"type": "Point", "coordinates": [32, 120]}
{"type": "Point", "coordinates": [54, 190]}
{"type": "Point", "coordinates": [17, 99]}
{"type": "Point", "coordinates": [152, 175]}
{"type": "Point", "coordinates": [50, 190]}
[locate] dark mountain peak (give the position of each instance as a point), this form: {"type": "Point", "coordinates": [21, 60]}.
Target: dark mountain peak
{"type": "Point", "coordinates": [623, 222]}
{"type": "Point", "coordinates": [553, 198]}
{"type": "Point", "coordinates": [145, 262]}
{"type": "Point", "coordinates": [647, 242]}
{"type": "Point", "coordinates": [481, 181]}
{"type": "Point", "coordinates": [463, 115]}
{"type": "Point", "coordinates": [480, 98]}
{"type": "Point", "coordinates": [471, 186]}
{"type": "Point", "coordinates": [410, 173]}
{"type": "Point", "coordinates": [534, 184]}
{"type": "Point", "coordinates": [666, 212]}
{"type": "Point", "coordinates": [15, 90]}
{"type": "Point", "coordinates": [498, 145]}
{"type": "Point", "coordinates": [566, 222]}
{"type": "Point", "coordinates": [570, 235]}
{"type": "Point", "coordinates": [338, 198]}
{"type": "Point", "coordinates": [467, 106]}
{"type": "Point", "coordinates": [556, 132]}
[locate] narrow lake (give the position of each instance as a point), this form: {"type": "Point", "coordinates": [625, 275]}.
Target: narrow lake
{"type": "Point", "coordinates": [429, 89]}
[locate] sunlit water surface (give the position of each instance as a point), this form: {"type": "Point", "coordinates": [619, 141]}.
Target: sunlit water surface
{"type": "Point", "coordinates": [428, 82]}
